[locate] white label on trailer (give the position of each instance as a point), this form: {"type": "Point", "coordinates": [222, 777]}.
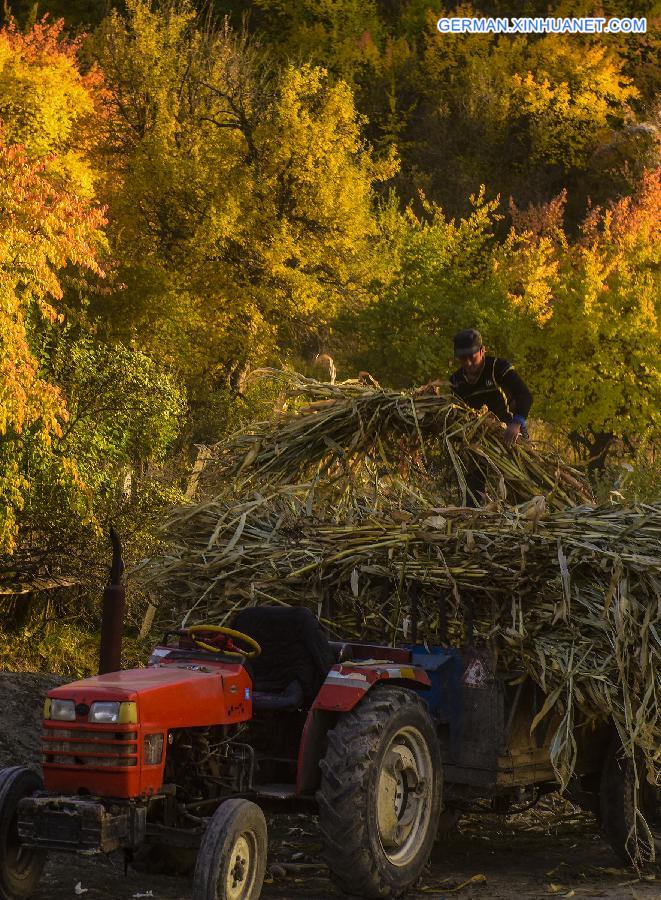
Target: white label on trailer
{"type": "Point", "coordinates": [476, 673]}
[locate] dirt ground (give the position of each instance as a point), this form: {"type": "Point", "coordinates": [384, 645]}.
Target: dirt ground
{"type": "Point", "coordinates": [552, 850]}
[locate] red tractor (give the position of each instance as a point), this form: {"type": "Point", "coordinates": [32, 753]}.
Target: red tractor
{"type": "Point", "coordinates": [223, 722]}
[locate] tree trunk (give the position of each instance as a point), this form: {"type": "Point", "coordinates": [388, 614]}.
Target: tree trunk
{"type": "Point", "coordinates": [594, 447]}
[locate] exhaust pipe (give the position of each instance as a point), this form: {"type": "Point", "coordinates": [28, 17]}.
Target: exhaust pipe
{"type": "Point", "coordinates": [112, 615]}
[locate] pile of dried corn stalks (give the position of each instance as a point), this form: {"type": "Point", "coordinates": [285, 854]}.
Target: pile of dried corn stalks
{"type": "Point", "coordinates": [355, 431]}
{"type": "Point", "coordinates": [344, 504]}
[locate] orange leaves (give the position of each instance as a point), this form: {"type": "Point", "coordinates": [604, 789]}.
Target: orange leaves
{"type": "Point", "coordinates": [43, 40]}
{"type": "Point", "coordinates": [543, 219]}
{"type": "Point", "coordinates": [640, 216]}
{"type": "Point", "coordinates": [43, 228]}
{"type": "Point", "coordinates": [46, 103]}
{"type": "Point", "coordinates": [46, 44]}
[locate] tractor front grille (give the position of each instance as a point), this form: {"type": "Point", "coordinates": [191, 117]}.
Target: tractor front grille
{"type": "Point", "coordinates": [89, 747]}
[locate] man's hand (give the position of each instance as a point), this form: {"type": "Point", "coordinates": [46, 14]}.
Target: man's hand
{"type": "Point", "coordinates": [511, 434]}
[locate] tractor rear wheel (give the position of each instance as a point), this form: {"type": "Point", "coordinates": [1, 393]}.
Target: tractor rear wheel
{"type": "Point", "coordinates": [380, 795]}
{"type": "Point", "coordinates": [231, 861]}
{"type": "Point", "coordinates": [20, 867]}
{"type": "Point", "coordinates": [618, 809]}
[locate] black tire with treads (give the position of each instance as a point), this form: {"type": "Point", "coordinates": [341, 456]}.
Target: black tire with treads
{"type": "Point", "coordinates": [348, 796]}
{"type": "Point", "coordinates": [232, 821]}
{"type": "Point", "coordinates": [20, 867]}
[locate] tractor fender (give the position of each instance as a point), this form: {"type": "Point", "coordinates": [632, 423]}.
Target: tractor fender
{"type": "Point", "coordinates": [345, 685]}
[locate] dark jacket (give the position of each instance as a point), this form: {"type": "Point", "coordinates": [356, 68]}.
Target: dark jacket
{"type": "Point", "coordinates": [499, 388]}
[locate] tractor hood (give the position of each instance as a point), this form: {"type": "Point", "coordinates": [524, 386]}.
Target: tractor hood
{"type": "Point", "coordinates": [174, 695]}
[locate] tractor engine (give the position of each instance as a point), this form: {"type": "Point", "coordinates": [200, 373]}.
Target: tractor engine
{"type": "Point", "coordinates": [208, 763]}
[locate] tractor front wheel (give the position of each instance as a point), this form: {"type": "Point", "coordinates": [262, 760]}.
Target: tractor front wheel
{"type": "Point", "coordinates": [231, 861]}
{"type": "Point", "coordinates": [380, 795]}
{"type": "Point", "coordinates": [20, 867]}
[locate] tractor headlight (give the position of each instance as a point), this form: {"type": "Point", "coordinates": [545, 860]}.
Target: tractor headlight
{"type": "Point", "coordinates": [62, 710]}
{"type": "Point", "coordinates": [112, 712]}
{"type": "Point", "coordinates": [104, 712]}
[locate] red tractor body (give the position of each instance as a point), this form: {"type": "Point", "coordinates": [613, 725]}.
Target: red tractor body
{"type": "Point", "coordinates": [125, 759]}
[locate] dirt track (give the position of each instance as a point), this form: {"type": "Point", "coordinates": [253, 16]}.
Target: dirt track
{"type": "Point", "coordinates": [550, 851]}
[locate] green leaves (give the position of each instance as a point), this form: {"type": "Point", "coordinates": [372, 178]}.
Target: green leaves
{"type": "Point", "coordinates": [601, 311]}
{"type": "Point", "coordinates": [124, 411]}
{"type": "Point", "coordinates": [445, 278]}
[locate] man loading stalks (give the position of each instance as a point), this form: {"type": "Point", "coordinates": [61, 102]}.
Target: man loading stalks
{"type": "Point", "coordinates": [492, 382]}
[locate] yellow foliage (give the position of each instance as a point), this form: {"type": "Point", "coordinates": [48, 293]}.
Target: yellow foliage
{"type": "Point", "coordinates": [46, 104]}
{"type": "Point", "coordinates": [249, 205]}
{"type": "Point", "coordinates": [572, 94]}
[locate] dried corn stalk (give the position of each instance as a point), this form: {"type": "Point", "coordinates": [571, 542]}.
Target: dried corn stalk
{"type": "Point", "coordinates": [338, 429]}
{"type": "Point", "coordinates": [345, 503]}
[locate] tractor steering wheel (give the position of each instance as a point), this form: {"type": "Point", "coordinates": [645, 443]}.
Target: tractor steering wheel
{"type": "Point", "coordinates": [194, 630]}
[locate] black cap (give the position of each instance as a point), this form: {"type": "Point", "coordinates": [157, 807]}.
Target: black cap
{"type": "Point", "coordinates": [467, 342]}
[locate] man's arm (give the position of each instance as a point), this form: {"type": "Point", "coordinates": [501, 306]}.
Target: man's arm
{"type": "Point", "coordinates": [517, 390]}
{"type": "Point", "coordinates": [515, 387]}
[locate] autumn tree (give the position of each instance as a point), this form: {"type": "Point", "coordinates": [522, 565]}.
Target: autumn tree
{"type": "Point", "coordinates": [75, 416]}
{"type": "Point", "coordinates": [522, 114]}
{"type": "Point", "coordinates": [47, 105]}
{"type": "Point", "coordinates": [586, 316]}
{"type": "Point", "coordinates": [42, 229]}
{"type": "Point", "coordinates": [240, 195]}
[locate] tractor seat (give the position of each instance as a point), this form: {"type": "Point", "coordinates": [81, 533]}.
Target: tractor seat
{"type": "Point", "coordinates": [295, 657]}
